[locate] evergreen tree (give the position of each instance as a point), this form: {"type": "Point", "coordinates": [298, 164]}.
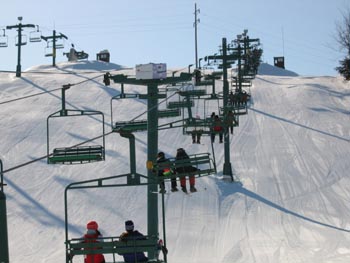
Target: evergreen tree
{"type": "Point", "coordinates": [344, 68]}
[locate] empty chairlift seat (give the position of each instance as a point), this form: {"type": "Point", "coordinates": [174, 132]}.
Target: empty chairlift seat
{"type": "Point", "coordinates": [83, 154]}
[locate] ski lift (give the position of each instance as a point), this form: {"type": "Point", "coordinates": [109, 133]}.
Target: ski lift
{"type": "Point", "coordinates": [128, 126]}
{"type": "Point", "coordinates": [78, 54]}
{"type": "Point", "coordinates": [201, 165]}
{"type": "Point", "coordinates": [35, 36]}
{"type": "Point", "coordinates": [59, 43]}
{"type": "Point", "coordinates": [112, 246]}
{"type": "Point", "coordinates": [3, 40]}
{"type": "Point", "coordinates": [75, 154]}
{"type": "Point", "coordinates": [23, 40]}
{"type": "Point", "coordinates": [48, 49]}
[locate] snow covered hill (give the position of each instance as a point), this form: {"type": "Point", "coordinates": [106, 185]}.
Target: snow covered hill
{"type": "Point", "coordinates": [291, 154]}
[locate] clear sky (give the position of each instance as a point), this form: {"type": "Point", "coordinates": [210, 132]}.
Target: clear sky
{"type": "Point", "coordinates": [161, 31]}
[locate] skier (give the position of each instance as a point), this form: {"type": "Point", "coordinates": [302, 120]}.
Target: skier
{"type": "Point", "coordinates": [132, 234]}
{"type": "Point", "coordinates": [166, 172]}
{"type": "Point", "coordinates": [92, 235]}
{"type": "Point", "coordinates": [182, 155]}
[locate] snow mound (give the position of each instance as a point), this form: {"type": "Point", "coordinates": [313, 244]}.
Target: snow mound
{"type": "Point", "coordinates": [81, 65]}
{"type": "Point", "coordinates": [267, 69]}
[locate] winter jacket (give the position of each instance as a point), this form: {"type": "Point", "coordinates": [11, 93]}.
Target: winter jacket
{"type": "Point", "coordinates": [182, 155]}
{"type": "Point", "coordinates": [166, 171]}
{"type": "Point", "coordinates": [133, 257]}
{"type": "Point", "coordinates": [91, 238]}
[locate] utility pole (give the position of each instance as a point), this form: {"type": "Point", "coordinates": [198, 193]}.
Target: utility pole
{"type": "Point", "coordinates": [196, 21]}
{"type": "Point", "coordinates": [54, 38]}
{"type": "Point", "coordinates": [20, 43]}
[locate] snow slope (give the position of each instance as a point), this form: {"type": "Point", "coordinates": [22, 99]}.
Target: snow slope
{"type": "Point", "coordinates": [291, 153]}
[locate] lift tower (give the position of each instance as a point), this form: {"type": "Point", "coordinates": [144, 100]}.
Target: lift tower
{"type": "Point", "coordinates": [152, 136]}
{"type": "Point", "coordinates": [54, 39]}
{"type": "Point", "coordinates": [19, 43]}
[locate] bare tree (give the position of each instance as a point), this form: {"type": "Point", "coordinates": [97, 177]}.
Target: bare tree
{"type": "Point", "coordinates": [343, 31]}
{"type": "Point", "coordinates": [342, 37]}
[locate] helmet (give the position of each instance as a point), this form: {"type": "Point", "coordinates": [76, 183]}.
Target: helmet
{"type": "Point", "coordinates": [160, 155]}
{"type": "Point", "coordinates": [92, 225]}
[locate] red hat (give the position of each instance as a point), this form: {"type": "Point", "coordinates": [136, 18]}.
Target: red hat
{"type": "Point", "coordinates": [92, 225]}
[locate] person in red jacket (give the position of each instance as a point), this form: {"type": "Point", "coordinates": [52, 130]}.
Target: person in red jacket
{"type": "Point", "coordinates": [217, 128]}
{"type": "Point", "coordinates": [92, 235]}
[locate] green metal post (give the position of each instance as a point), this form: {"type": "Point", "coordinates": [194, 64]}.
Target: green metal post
{"type": "Point", "coordinates": [54, 49]}
{"type": "Point", "coordinates": [18, 68]}
{"type": "Point", "coordinates": [19, 29]}
{"type": "Point", "coordinates": [227, 164]}
{"type": "Point", "coordinates": [164, 230]}
{"type": "Point", "coordinates": [133, 178]}
{"type": "Point", "coordinates": [4, 247]}
{"type": "Point", "coordinates": [239, 74]}
{"type": "Point", "coordinates": [1, 177]}
{"type": "Point", "coordinates": [63, 92]}
{"type": "Point", "coordinates": [152, 137]}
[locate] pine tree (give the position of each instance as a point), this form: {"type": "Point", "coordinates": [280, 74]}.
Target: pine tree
{"type": "Point", "coordinates": [344, 68]}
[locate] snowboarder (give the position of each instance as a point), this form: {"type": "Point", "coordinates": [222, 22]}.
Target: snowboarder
{"type": "Point", "coordinates": [166, 172]}
{"type": "Point", "coordinates": [132, 234]}
{"type": "Point", "coordinates": [182, 155]}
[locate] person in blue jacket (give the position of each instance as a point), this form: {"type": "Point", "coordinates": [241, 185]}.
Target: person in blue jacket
{"type": "Point", "coordinates": [132, 234]}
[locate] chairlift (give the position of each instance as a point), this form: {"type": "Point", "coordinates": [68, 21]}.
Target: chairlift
{"type": "Point", "coordinates": [59, 43]}
{"type": "Point", "coordinates": [35, 36]}
{"type": "Point", "coordinates": [23, 40]}
{"type": "Point", "coordinates": [75, 154]}
{"type": "Point", "coordinates": [49, 43]}
{"type": "Point", "coordinates": [48, 52]}
{"type": "Point", "coordinates": [128, 126]}
{"type": "Point", "coordinates": [111, 246]}
{"type": "Point", "coordinates": [3, 40]}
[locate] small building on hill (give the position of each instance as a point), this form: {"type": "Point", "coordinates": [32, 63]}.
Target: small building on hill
{"type": "Point", "coordinates": [278, 62]}
{"type": "Point", "coordinates": [103, 55]}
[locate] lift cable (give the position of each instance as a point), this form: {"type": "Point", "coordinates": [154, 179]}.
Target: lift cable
{"type": "Point", "coordinates": [82, 143]}
{"type": "Point", "coordinates": [46, 92]}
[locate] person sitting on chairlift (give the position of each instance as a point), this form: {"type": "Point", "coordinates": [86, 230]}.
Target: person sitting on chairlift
{"type": "Point", "coordinates": [182, 155]}
{"type": "Point", "coordinates": [132, 234]}
{"type": "Point", "coordinates": [166, 172]}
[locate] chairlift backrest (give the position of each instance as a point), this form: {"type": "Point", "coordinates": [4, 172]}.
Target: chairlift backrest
{"type": "Point", "coordinates": [3, 41]}
{"type": "Point", "coordinates": [59, 44]}
{"type": "Point", "coordinates": [48, 52]}
{"type": "Point", "coordinates": [35, 36]}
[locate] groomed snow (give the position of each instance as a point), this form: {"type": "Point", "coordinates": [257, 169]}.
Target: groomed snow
{"type": "Point", "coordinates": [291, 154]}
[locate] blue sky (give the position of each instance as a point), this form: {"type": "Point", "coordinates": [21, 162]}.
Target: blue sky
{"type": "Point", "coordinates": [161, 31]}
